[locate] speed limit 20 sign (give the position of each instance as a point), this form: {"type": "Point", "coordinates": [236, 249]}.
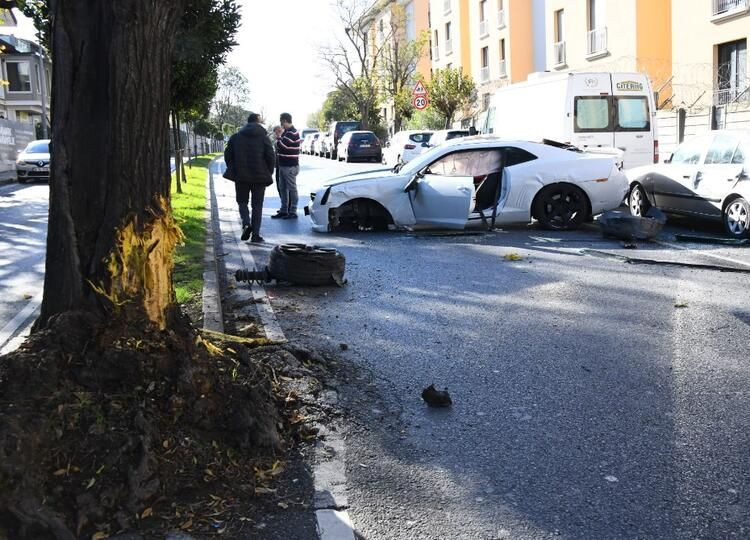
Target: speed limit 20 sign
{"type": "Point", "coordinates": [420, 102]}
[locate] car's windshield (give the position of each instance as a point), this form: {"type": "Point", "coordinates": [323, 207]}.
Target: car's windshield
{"type": "Point", "coordinates": [38, 147]}
{"type": "Point", "coordinates": [420, 137]}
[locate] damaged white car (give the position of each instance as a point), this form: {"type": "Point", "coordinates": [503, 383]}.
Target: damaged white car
{"type": "Point", "coordinates": [477, 181]}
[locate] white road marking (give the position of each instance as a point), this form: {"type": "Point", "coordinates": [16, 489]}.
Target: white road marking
{"type": "Point", "coordinates": [22, 317]}
{"type": "Point", "coordinates": [699, 252]}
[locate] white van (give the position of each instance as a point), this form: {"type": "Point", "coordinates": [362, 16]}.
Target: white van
{"type": "Point", "coordinates": [587, 110]}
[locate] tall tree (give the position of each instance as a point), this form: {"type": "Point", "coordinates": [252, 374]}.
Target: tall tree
{"type": "Point", "coordinates": [111, 233]}
{"type": "Point", "coordinates": [354, 58]}
{"type": "Point", "coordinates": [450, 90]}
{"type": "Point", "coordinates": [232, 95]}
{"type": "Point", "coordinates": [399, 64]}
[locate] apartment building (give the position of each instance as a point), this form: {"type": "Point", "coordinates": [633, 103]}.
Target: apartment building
{"type": "Point", "coordinates": [450, 34]}
{"type": "Point", "coordinates": [26, 68]}
{"type": "Point", "coordinates": [709, 52]}
{"type": "Point", "coordinates": [614, 35]}
{"type": "Point", "coordinates": [399, 22]}
{"type": "Point", "coordinates": [502, 43]}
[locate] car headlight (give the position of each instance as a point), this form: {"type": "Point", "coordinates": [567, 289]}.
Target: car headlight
{"type": "Point", "coordinates": [19, 162]}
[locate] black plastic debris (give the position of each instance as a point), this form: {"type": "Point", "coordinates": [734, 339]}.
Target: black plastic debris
{"type": "Point", "coordinates": [299, 264]}
{"type": "Point", "coordinates": [436, 398]}
{"type": "Point", "coordinates": [699, 239]}
{"type": "Point", "coordinates": [621, 224]}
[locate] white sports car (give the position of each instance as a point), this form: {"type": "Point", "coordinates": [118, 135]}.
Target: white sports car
{"type": "Point", "coordinates": [476, 181]}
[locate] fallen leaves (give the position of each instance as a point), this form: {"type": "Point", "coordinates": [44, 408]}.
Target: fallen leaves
{"type": "Point", "coordinates": [148, 512]}
{"type": "Point", "coordinates": [513, 257]}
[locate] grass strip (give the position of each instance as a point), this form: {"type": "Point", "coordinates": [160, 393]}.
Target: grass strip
{"type": "Point", "coordinates": [189, 209]}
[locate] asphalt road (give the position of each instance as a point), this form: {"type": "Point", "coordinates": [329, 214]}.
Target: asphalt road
{"type": "Point", "coordinates": [23, 238]}
{"type": "Point", "coordinates": [592, 398]}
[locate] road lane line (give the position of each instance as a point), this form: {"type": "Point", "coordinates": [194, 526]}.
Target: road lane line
{"type": "Point", "coordinates": [7, 331]}
{"type": "Point", "coordinates": [698, 252]}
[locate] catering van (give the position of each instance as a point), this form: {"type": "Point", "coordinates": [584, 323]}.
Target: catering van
{"type": "Point", "coordinates": [588, 110]}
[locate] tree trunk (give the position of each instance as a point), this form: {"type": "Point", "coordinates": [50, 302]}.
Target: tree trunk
{"type": "Point", "coordinates": [111, 233]}
{"type": "Point", "coordinates": [176, 141]}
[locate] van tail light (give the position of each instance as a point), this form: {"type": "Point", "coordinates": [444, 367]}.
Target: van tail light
{"type": "Point", "coordinates": [656, 151]}
{"type": "Point", "coordinates": [409, 147]}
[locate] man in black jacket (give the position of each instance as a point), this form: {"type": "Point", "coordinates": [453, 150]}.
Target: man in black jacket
{"type": "Point", "coordinates": [250, 160]}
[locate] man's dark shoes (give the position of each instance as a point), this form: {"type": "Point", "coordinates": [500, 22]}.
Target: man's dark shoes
{"type": "Point", "coordinates": [256, 239]}
{"type": "Point", "coordinates": [247, 230]}
{"type": "Point", "coordinates": [291, 216]}
{"type": "Point", "coordinates": [279, 215]}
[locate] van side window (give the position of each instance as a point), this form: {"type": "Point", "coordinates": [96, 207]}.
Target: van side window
{"type": "Point", "coordinates": [632, 114]}
{"type": "Point", "coordinates": [592, 113]}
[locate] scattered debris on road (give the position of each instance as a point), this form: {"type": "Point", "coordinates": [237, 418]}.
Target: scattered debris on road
{"type": "Point", "coordinates": [623, 225]}
{"type": "Point", "coordinates": [513, 257]}
{"type": "Point", "coordinates": [655, 262]}
{"type": "Point", "coordinates": [436, 398]}
{"type": "Point", "coordinates": [698, 239]}
{"type": "Point", "coordinates": [680, 305]}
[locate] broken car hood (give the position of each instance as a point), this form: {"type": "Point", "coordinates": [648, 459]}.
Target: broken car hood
{"type": "Point", "coordinates": [364, 175]}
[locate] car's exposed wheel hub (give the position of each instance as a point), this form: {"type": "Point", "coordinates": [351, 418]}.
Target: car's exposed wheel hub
{"type": "Point", "coordinates": [636, 202]}
{"type": "Point", "coordinates": [737, 218]}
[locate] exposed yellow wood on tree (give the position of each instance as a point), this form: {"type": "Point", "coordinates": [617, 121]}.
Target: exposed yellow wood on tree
{"type": "Point", "coordinates": [140, 265]}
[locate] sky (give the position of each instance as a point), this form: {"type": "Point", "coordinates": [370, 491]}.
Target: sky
{"type": "Point", "coordinates": [277, 51]}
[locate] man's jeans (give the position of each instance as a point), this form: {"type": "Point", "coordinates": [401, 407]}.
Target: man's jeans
{"type": "Point", "coordinates": [288, 189]}
{"type": "Point", "coordinates": [243, 193]}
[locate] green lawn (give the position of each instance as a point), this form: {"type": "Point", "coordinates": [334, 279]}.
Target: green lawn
{"type": "Point", "coordinates": [190, 212]}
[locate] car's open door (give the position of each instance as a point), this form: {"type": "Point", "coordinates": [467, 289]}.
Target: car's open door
{"type": "Point", "coordinates": [441, 201]}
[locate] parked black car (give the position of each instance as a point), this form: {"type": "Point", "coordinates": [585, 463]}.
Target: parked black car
{"type": "Point", "coordinates": [337, 130]}
{"type": "Point", "coordinates": [359, 145]}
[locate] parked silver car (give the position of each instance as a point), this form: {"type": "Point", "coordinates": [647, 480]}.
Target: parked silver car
{"type": "Point", "coordinates": [33, 162]}
{"type": "Point", "coordinates": [707, 177]}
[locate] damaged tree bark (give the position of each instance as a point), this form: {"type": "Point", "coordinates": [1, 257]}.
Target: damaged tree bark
{"type": "Point", "coordinates": [111, 234]}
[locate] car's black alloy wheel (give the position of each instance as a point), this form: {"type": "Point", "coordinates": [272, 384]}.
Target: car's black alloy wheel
{"type": "Point", "coordinates": [561, 207]}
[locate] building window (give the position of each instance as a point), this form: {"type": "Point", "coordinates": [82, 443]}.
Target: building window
{"type": "Point", "coordinates": [38, 79]}
{"type": "Point", "coordinates": [483, 22]}
{"type": "Point", "coordinates": [447, 31]}
{"type": "Point", "coordinates": [19, 76]}
{"type": "Point", "coordinates": [731, 73]}
{"type": "Point", "coordinates": [559, 35]}
{"type": "Point", "coordinates": [503, 63]}
{"type": "Point", "coordinates": [485, 59]}
{"type": "Point", "coordinates": [597, 33]}
{"type": "Point", "coordinates": [485, 101]}
{"type": "Point", "coordinates": [596, 14]}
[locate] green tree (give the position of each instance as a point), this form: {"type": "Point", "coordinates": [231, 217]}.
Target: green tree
{"type": "Point", "coordinates": [450, 90]}
{"type": "Point", "coordinates": [398, 66]}
{"type": "Point", "coordinates": [231, 97]}
{"type": "Point", "coordinates": [430, 118]}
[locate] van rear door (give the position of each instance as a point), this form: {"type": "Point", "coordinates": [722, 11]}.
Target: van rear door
{"type": "Point", "coordinates": [634, 127]}
{"type": "Point", "coordinates": [593, 124]}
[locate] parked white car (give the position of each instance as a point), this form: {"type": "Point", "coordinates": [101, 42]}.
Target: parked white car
{"type": "Point", "coordinates": [405, 146]}
{"type": "Point", "coordinates": [707, 177]}
{"type": "Point", "coordinates": [477, 181]}
{"type": "Point", "coordinates": [439, 137]}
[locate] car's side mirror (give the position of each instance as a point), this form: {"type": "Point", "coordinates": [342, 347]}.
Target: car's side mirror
{"type": "Point", "coordinates": [425, 145]}
{"type": "Point", "coordinates": [669, 159]}
{"type": "Point", "coordinates": [387, 144]}
{"type": "Point", "coordinates": [744, 173]}
{"type": "Point", "coordinates": [412, 185]}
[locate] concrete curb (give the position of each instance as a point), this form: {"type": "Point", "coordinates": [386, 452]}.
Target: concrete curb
{"type": "Point", "coordinates": [213, 315]}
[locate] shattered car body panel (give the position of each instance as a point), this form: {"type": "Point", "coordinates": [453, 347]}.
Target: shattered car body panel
{"type": "Point", "coordinates": [460, 183]}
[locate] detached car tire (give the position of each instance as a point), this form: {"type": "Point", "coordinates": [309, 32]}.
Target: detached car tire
{"type": "Point", "coordinates": [307, 265]}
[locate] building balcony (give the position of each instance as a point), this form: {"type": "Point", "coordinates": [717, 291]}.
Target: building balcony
{"type": "Point", "coordinates": [446, 6]}
{"type": "Point", "coordinates": [435, 53]}
{"type": "Point", "coordinates": [501, 18]}
{"type": "Point", "coordinates": [484, 74]}
{"type": "Point", "coordinates": [448, 47]}
{"type": "Point", "coordinates": [558, 54]}
{"type": "Point", "coordinates": [483, 29]}
{"type": "Point", "coordinates": [732, 95]}
{"type": "Point", "coordinates": [596, 43]}
{"type": "Point", "coordinates": [725, 9]}
{"type": "Point", "coordinates": [503, 69]}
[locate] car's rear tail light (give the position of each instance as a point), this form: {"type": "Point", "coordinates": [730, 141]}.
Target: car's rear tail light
{"type": "Point", "coordinates": [656, 151]}
{"type": "Point", "coordinates": [409, 147]}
